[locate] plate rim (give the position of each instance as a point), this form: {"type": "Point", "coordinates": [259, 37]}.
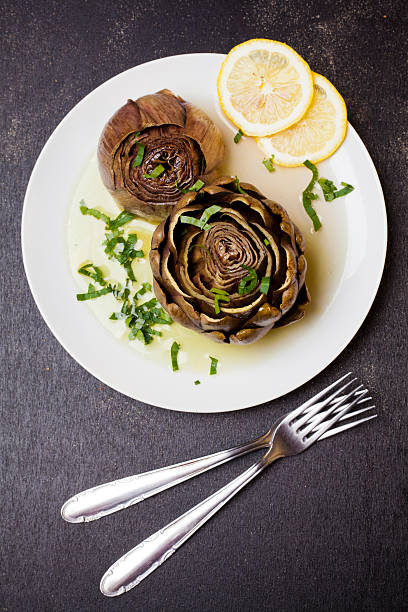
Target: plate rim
{"type": "Point", "coordinates": [91, 370]}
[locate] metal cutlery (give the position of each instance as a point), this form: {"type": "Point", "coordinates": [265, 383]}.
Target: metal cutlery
{"type": "Point", "coordinates": [104, 499]}
{"type": "Point", "coordinates": [290, 435]}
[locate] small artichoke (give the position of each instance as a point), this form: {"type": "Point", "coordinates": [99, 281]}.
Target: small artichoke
{"type": "Point", "coordinates": [230, 263]}
{"type": "Point", "coordinates": [164, 130]}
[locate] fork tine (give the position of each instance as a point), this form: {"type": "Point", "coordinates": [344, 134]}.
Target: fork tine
{"type": "Point", "coordinates": [309, 404]}
{"type": "Point", "coordinates": [328, 424]}
{"type": "Point", "coordinates": [347, 416]}
{"type": "Point", "coordinates": [337, 408]}
{"type": "Point", "coordinates": [318, 409]}
{"type": "Point", "coordinates": [336, 430]}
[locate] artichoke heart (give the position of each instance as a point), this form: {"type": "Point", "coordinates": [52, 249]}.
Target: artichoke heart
{"type": "Point", "coordinates": [155, 148]}
{"type": "Point", "coordinates": [238, 275]}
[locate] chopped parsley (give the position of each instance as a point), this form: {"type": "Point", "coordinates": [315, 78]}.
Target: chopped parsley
{"type": "Point", "coordinates": [197, 185]}
{"type": "Point", "coordinates": [213, 366]}
{"type": "Point", "coordinates": [175, 347]}
{"type": "Point", "coordinates": [248, 282]}
{"type": "Point", "coordinates": [308, 196]}
{"type": "Point", "coordinates": [139, 157]}
{"type": "Point", "coordinates": [197, 382]}
{"type": "Point", "coordinates": [268, 163]}
{"type": "Point", "coordinates": [159, 169]}
{"type": "Point", "coordinates": [219, 296]}
{"type": "Point", "coordinates": [264, 286]}
{"type": "Point", "coordinates": [238, 136]}
{"type": "Point", "coordinates": [93, 293]}
{"type": "Point", "coordinates": [202, 221]}
{"type": "Point", "coordinates": [330, 191]}
{"type": "Point", "coordinates": [93, 272]}
{"type": "Point", "coordinates": [238, 185]}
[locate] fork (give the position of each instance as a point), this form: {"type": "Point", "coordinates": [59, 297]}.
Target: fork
{"type": "Point", "coordinates": [104, 499]}
{"type": "Point", "coordinates": [291, 435]}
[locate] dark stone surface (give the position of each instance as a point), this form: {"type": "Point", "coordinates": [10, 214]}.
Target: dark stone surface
{"type": "Point", "coordinates": [326, 531]}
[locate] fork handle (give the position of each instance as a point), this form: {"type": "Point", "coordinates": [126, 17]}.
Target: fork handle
{"type": "Point", "coordinates": [107, 498]}
{"type": "Point", "coordinates": [147, 556]}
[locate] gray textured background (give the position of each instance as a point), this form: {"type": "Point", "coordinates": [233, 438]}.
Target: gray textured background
{"type": "Point", "coordinates": [343, 503]}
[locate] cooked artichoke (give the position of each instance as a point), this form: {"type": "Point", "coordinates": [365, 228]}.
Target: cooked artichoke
{"type": "Point", "coordinates": [232, 272]}
{"type": "Point", "coordinates": [157, 129]}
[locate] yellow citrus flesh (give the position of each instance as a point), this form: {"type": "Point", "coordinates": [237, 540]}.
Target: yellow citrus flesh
{"type": "Point", "coordinates": [317, 135]}
{"type": "Point", "coordinates": [264, 86]}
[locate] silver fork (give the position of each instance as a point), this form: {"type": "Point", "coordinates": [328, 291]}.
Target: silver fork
{"type": "Point", "coordinates": [291, 435]}
{"type": "Point", "coordinates": [104, 499]}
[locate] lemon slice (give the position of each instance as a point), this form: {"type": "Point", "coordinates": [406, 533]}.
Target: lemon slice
{"type": "Point", "coordinates": [317, 135]}
{"type": "Point", "coordinates": [264, 86]}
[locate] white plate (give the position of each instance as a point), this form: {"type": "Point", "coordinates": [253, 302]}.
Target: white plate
{"type": "Point", "coordinates": [346, 257]}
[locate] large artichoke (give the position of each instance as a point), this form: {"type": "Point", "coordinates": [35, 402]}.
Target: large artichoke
{"type": "Point", "coordinates": [164, 130]}
{"type": "Point", "coordinates": [232, 271]}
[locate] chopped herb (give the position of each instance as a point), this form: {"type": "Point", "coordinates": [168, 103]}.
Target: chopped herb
{"type": "Point", "coordinates": [121, 219]}
{"type": "Point", "coordinates": [268, 163]}
{"type": "Point", "coordinates": [342, 192]}
{"type": "Point", "coordinates": [248, 283]}
{"type": "Point", "coordinates": [140, 317]}
{"type": "Point", "coordinates": [94, 212]}
{"type": "Point", "coordinates": [197, 382]}
{"type": "Point", "coordinates": [266, 242]}
{"type": "Point", "coordinates": [308, 196]}
{"type": "Point", "coordinates": [197, 185]}
{"type": "Point", "coordinates": [213, 367]}
{"type": "Point", "coordinates": [111, 224]}
{"type": "Point", "coordinates": [93, 293]}
{"type": "Point", "coordinates": [93, 272]}
{"type": "Point", "coordinates": [190, 220]}
{"type": "Point", "coordinates": [238, 184]}
{"type": "Point", "coordinates": [208, 212]}
{"type": "Point", "coordinates": [219, 291]}
{"type": "Point", "coordinates": [202, 222]}
{"type": "Point", "coordinates": [155, 173]}
{"type": "Point", "coordinates": [175, 347]}
{"type": "Point", "coordinates": [238, 136]}
{"type": "Point", "coordinates": [139, 157]}
{"type": "Point", "coordinates": [328, 188]}
{"type": "Point", "coordinates": [264, 286]}
{"type": "Point", "coordinates": [220, 296]}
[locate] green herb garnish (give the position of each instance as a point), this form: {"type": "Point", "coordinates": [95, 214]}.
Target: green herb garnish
{"type": "Point", "coordinates": [175, 347]}
{"type": "Point", "coordinates": [155, 173]}
{"type": "Point", "coordinates": [197, 382]}
{"type": "Point", "coordinates": [93, 293]}
{"type": "Point", "coordinates": [139, 157]}
{"type": "Point", "coordinates": [328, 188]}
{"type": "Point", "coordinates": [342, 192]}
{"type": "Point", "coordinates": [121, 219]}
{"type": "Point", "coordinates": [213, 367]}
{"type": "Point", "coordinates": [264, 286]}
{"type": "Point", "coordinates": [308, 196]}
{"type": "Point", "coordinates": [220, 296]}
{"type": "Point", "coordinates": [94, 212]}
{"type": "Point", "coordinates": [238, 184]}
{"type": "Point", "coordinates": [248, 282]}
{"type": "Point", "coordinates": [197, 185]}
{"type": "Point", "coordinates": [266, 242]}
{"type": "Point", "coordinates": [140, 317]}
{"type": "Point", "coordinates": [268, 163]}
{"type": "Point", "coordinates": [93, 272]}
{"type": "Point", "coordinates": [238, 136]}
{"type": "Point", "coordinates": [330, 191]}
{"type": "Point", "coordinates": [202, 221]}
